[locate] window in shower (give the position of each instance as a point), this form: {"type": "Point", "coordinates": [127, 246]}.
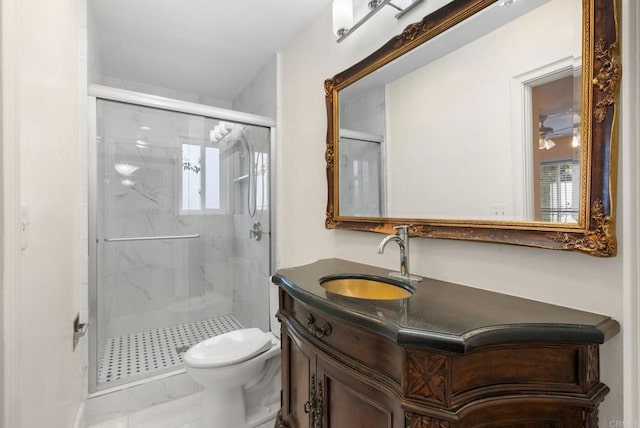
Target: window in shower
{"type": "Point", "coordinates": [201, 179]}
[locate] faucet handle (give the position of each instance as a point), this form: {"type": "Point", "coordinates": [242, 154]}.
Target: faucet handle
{"type": "Point", "coordinates": [403, 230]}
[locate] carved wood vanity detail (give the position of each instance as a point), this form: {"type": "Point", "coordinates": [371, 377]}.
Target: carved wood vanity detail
{"type": "Point", "coordinates": [454, 362]}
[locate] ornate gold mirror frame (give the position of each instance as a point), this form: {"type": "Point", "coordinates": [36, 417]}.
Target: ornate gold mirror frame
{"type": "Point", "coordinates": [595, 233]}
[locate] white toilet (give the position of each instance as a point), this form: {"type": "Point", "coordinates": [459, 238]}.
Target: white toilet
{"type": "Point", "coordinates": [240, 372]}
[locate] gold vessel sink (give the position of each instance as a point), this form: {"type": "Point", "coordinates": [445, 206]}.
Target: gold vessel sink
{"type": "Point", "coordinates": [366, 287]}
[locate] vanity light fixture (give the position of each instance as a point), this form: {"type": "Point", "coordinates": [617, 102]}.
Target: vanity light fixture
{"type": "Point", "coordinates": [342, 17]}
{"type": "Point", "coordinates": [343, 11]}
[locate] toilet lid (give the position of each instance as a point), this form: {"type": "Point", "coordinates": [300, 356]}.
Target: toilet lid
{"type": "Point", "coordinates": [228, 348]}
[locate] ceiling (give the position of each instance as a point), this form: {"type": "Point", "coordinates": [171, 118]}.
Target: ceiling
{"type": "Point", "coordinates": [206, 47]}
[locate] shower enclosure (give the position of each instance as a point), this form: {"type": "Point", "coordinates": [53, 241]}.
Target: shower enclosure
{"type": "Point", "coordinates": [179, 230]}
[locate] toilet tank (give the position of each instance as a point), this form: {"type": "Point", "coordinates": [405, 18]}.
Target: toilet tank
{"type": "Point", "coordinates": [273, 309]}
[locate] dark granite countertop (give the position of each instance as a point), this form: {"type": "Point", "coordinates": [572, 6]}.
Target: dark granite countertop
{"type": "Point", "coordinates": [445, 316]}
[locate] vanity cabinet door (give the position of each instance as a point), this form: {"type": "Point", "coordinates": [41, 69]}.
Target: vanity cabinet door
{"type": "Point", "coordinates": [321, 392]}
{"type": "Point", "coordinates": [298, 368]}
{"type": "Point", "coordinates": [349, 402]}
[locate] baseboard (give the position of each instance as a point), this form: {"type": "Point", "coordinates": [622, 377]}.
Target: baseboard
{"type": "Point", "coordinates": [80, 420]}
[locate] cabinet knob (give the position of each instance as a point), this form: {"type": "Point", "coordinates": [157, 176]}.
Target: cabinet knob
{"type": "Point", "coordinates": [314, 405]}
{"type": "Point", "coordinates": [316, 331]}
{"type": "Point", "coordinates": [308, 406]}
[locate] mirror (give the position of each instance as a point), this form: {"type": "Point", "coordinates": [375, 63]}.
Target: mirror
{"type": "Point", "coordinates": [491, 121]}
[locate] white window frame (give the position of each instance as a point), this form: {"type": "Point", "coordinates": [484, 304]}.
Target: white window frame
{"type": "Point", "coordinates": [224, 180]}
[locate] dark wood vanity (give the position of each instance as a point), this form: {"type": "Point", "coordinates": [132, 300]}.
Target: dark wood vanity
{"type": "Point", "coordinates": [448, 356]}
{"type": "Point", "coordinates": [452, 356]}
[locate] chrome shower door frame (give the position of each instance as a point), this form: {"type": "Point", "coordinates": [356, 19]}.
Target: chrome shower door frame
{"type": "Point", "coordinates": [98, 92]}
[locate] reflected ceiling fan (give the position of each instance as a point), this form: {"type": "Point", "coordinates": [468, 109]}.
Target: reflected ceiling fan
{"type": "Point", "coordinates": [546, 132]}
{"type": "Point", "coordinates": [544, 141]}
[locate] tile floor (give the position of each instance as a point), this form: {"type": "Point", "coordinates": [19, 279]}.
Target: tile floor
{"type": "Point", "coordinates": [144, 352]}
{"type": "Point", "coordinates": [181, 413]}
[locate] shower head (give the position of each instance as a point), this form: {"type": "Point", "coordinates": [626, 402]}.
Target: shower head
{"type": "Point", "coordinates": [242, 139]}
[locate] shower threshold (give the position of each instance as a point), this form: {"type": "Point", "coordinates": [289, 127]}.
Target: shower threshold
{"type": "Point", "coordinates": [151, 351]}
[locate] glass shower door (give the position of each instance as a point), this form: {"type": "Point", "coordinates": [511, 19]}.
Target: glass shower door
{"type": "Point", "coordinates": [361, 162]}
{"type": "Point", "coordinates": [174, 261]}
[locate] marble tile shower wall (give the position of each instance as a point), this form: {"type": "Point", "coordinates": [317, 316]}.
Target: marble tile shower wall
{"type": "Point", "coordinates": [253, 268]}
{"type": "Point", "coordinates": [250, 302]}
{"type": "Point", "coordinates": [151, 284]}
{"type": "Point", "coordinates": [154, 284]}
{"type": "Point", "coordinates": [251, 265]}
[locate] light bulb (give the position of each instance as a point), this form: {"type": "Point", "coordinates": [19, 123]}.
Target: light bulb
{"type": "Point", "coordinates": [125, 168]}
{"type": "Point", "coordinates": [575, 141]}
{"type": "Point", "coordinates": [342, 16]}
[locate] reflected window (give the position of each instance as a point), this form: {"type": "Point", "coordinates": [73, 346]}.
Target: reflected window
{"type": "Point", "coordinates": [558, 196]}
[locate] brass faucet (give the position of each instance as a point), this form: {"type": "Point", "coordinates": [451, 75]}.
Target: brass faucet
{"type": "Point", "coordinates": [402, 239]}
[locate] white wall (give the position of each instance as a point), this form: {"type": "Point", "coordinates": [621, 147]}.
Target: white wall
{"type": "Point", "coordinates": [364, 112]}
{"type": "Point", "coordinates": [259, 97]}
{"type": "Point", "coordinates": [94, 58]}
{"type": "Point", "coordinates": [82, 290]}
{"type": "Point", "coordinates": [563, 278]}
{"type": "Point", "coordinates": [1, 237]}
{"type": "Point", "coordinates": [96, 74]}
{"type": "Point", "coordinates": [41, 79]}
{"type": "Point", "coordinates": [630, 154]}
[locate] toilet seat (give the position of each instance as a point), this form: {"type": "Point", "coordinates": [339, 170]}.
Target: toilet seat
{"type": "Point", "coordinates": [228, 348]}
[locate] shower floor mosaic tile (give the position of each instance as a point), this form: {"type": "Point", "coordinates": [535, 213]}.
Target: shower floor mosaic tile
{"type": "Point", "coordinates": [148, 351]}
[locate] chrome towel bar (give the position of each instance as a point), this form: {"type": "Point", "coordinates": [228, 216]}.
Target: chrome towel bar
{"type": "Point", "coordinates": [152, 238]}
